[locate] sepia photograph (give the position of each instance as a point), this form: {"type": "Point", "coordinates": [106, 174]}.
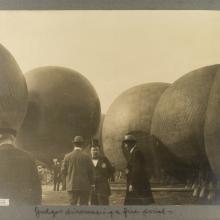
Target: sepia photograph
{"type": "Point", "coordinates": [109, 108]}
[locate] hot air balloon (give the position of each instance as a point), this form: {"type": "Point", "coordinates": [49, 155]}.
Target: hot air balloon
{"type": "Point", "coordinates": [62, 104]}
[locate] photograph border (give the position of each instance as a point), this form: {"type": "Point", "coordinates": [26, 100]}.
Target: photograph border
{"type": "Point", "coordinates": [109, 5]}
{"type": "Point", "coordinates": [209, 212]}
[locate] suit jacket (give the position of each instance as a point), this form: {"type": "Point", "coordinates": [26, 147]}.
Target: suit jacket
{"type": "Point", "coordinates": [19, 180]}
{"type": "Point", "coordinates": [102, 172]}
{"type": "Point", "coordinates": [78, 169]}
{"type": "Point", "coordinates": [137, 177]}
{"type": "Point", "coordinates": [57, 172]}
{"type": "Point", "coordinates": [136, 170]}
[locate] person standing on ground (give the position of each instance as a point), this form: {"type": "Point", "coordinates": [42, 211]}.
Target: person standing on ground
{"type": "Point", "coordinates": [138, 190]}
{"type": "Point", "coordinates": [78, 169]}
{"type": "Point", "coordinates": [57, 178]}
{"type": "Point", "coordinates": [103, 171]}
{"type": "Point", "coordinates": [19, 180]}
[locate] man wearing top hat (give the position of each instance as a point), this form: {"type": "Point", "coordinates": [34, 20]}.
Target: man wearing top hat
{"type": "Point", "coordinates": [103, 171]}
{"type": "Point", "coordinates": [78, 170]}
{"type": "Point", "coordinates": [19, 180]}
{"type": "Point", "coordinates": [138, 190]}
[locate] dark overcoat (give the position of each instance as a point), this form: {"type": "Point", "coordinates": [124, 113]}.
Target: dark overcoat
{"type": "Point", "coordinates": [19, 180]}
{"type": "Point", "coordinates": [78, 169]}
{"type": "Point", "coordinates": [138, 178]}
{"type": "Point", "coordinates": [103, 171]}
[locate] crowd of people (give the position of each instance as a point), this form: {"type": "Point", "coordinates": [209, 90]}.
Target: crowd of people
{"type": "Point", "coordinates": [85, 177]}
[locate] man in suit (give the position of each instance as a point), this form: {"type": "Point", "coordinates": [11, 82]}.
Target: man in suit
{"type": "Point", "coordinates": [103, 171]}
{"type": "Point", "coordinates": [57, 177]}
{"type": "Point", "coordinates": [19, 180]}
{"type": "Point", "coordinates": [78, 169]}
{"type": "Point", "coordinates": [138, 190]}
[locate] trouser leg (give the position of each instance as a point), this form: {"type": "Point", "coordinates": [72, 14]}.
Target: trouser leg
{"type": "Point", "coordinates": [58, 185]}
{"type": "Point", "coordinates": [103, 199]}
{"type": "Point", "coordinates": [84, 197]}
{"type": "Point", "coordinates": [73, 197]}
{"type": "Point", "coordinates": [63, 182]}
{"type": "Point", "coordinates": [94, 199]}
{"type": "Point", "coordinates": [54, 184]}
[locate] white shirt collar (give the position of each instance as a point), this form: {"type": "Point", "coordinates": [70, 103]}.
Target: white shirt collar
{"type": "Point", "coordinates": [132, 149]}
{"type": "Point", "coordinates": [77, 148]}
{"type": "Point", "coordinates": [95, 161]}
{"type": "Point", "coordinates": [6, 142]}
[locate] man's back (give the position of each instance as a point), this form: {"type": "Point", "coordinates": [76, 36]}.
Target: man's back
{"type": "Point", "coordinates": [78, 169]}
{"type": "Point", "coordinates": [19, 179]}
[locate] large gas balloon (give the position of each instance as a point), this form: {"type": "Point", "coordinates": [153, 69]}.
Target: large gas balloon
{"type": "Point", "coordinates": [13, 92]}
{"type": "Point", "coordinates": [212, 125]}
{"type": "Point", "coordinates": [131, 113]}
{"type": "Point", "coordinates": [98, 135]}
{"type": "Point", "coordinates": [180, 116]}
{"type": "Point", "coordinates": [62, 104]}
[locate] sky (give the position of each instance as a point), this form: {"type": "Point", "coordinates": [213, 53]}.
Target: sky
{"type": "Point", "coordinates": [114, 50]}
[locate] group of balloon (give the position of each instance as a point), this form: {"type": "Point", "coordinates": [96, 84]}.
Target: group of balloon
{"type": "Point", "coordinates": [177, 125]}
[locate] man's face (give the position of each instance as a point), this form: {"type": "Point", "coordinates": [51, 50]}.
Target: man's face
{"type": "Point", "coordinates": [55, 160]}
{"type": "Point", "coordinates": [95, 152]}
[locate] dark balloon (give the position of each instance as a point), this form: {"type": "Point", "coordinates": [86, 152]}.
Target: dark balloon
{"type": "Point", "coordinates": [131, 113]}
{"type": "Point", "coordinates": [62, 104]}
{"type": "Point", "coordinates": [98, 135]}
{"type": "Point", "coordinates": [179, 119]}
{"type": "Point", "coordinates": [13, 92]}
{"type": "Point", "coordinates": [19, 180]}
{"type": "Point", "coordinates": [212, 125]}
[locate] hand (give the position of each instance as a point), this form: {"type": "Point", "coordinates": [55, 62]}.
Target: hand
{"type": "Point", "coordinates": [126, 171]}
{"type": "Point", "coordinates": [130, 188]}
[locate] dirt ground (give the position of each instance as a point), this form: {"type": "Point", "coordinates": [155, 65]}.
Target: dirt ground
{"type": "Point", "coordinates": [173, 195]}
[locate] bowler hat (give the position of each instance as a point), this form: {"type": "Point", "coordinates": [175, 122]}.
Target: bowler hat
{"type": "Point", "coordinates": [78, 139]}
{"type": "Point", "coordinates": [129, 138]}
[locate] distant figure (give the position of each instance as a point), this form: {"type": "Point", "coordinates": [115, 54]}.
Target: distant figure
{"type": "Point", "coordinates": [19, 180]}
{"type": "Point", "coordinates": [40, 173]}
{"type": "Point", "coordinates": [63, 177]}
{"type": "Point", "coordinates": [57, 178]}
{"type": "Point", "coordinates": [78, 169]}
{"type": "Point", "coordinates": [103, 171]}
{"type": "Point", "coordinates": [138, 190]}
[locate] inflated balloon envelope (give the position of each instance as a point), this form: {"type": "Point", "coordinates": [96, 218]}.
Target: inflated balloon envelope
{"type": "Point", "coordinates": [132, 113]}
{"type": "Point", "coordinates": [186, 120]}
{"type": "Point", "coordinates": [62, 104]}
{"type": "Point", "coordinates": [181, 120]}
{"type": "Point", "coordinates": [13, 92]}
{"type": "Point", "coordinates": [212, 124]}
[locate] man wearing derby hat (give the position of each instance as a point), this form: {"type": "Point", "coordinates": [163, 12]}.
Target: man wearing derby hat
{"type": "Point", "coordinates": [78, 169]}
{"type": "Point", "coordinates": [138, 190]}
{"type": "Point", "coordinates": [19, 180]}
